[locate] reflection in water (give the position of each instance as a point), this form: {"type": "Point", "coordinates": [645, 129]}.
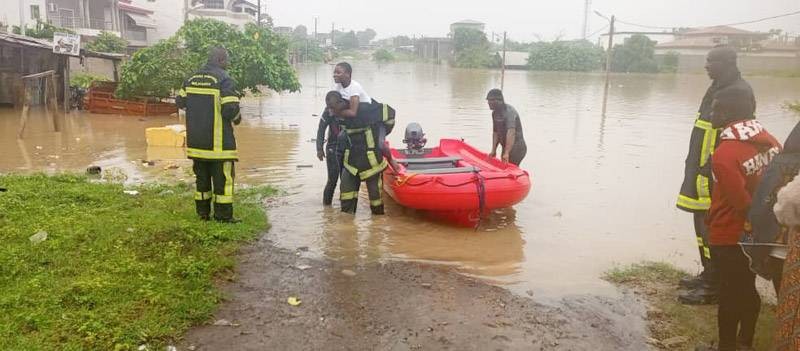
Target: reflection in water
{"type": "Point", "coordinates": [603, 189]}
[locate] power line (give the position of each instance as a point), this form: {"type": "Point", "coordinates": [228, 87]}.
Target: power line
{"type": "Point", "coordinates": [597, 31]}
{"type": "Point", "coordinates": [729, 24]}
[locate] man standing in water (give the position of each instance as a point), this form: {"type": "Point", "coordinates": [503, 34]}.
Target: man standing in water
{"type": "Point", "coordinates": [695, 193]}
{"type": "Point", "coordinates": [506, 129]}
{"type": "Point", "coordinates": [212, 106]}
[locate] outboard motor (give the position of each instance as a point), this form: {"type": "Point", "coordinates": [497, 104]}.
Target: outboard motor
{"type": "Point", "coordinates": [414, 138]}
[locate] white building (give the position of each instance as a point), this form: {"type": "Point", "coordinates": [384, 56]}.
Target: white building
{"type": "Point", "coordinates": [168, 15]}
{"type": "Point", "coordinates": [32, 9]}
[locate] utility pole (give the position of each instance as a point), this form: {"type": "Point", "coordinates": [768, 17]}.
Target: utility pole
{"type": "Point", "coordinates": [185, 11]}
{"type": "Point", "coordinates": [316, 19]}
{"type": "Point", "coordinates": [586, 6]}
{"type": "Point", "coordinates": [503, 65]}
{"type": "Point", "coordinates": [609, 57]}
{"type": "Point", "coordinates": [22, 17]}
{"type": "Point", "coordinates": [258, 19]}
{"type": "Point", "coordinates": [333, 31]}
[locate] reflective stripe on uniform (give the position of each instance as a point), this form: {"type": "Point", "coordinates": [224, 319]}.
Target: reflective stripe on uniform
{"type": "Point", "coordinates": [205, 76]}
{"type": "Point", "coordinates": [369, 138]}
{"type": "Point", "coordinates": [702, 204]}
{"type": "Point", "coordinates": [373, 171]}
{"type": "Point", "coordinates": [182, 93]}
{"type": "Point", "coordinates": [348, 195]}
{"type": "Point", "coordinates": [212, 155]}
{"type": "Point", "coordinates": [703, 187]}
{"type": "Point", "coordinates": [347, 165]}
{"type": "Point", "coordinates": [385, 112]}
{"type": "Point", "coordinates": [229, 99]}
{"type": "Point", "coordinates": [227, 196]}
{"type": "Point", "coordinates": [356, 130]}
{"type": "Point", "coordinates": [200, 196]}
{"type": "Point", "coordinates": [376, 203]}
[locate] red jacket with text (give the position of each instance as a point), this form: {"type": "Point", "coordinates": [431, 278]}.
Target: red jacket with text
{"type": "Point", "coordinates": [744, 152]}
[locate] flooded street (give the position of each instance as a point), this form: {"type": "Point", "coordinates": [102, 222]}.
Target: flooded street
{"type": "Point", "coordinates": [603, 190]}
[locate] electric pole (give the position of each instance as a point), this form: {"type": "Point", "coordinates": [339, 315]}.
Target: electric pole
{"type": "Point", "coordinates": [316, 19]}
{"type": "Point", "coordinates": [258, 19]}
{"type": "Point", "coordinates": [609, 57]}
{"type": "Point", "coordinates": [503, 65]}
{"type": "Point", "coordinates": [333, 31]}
{"type": "Point", "coordinates": [587, 5]}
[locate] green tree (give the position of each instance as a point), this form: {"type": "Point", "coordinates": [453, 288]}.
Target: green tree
{"type": "Point", "coordinates": [258, 56]}
{"type": "Point", "coordinates": [300, 33]}
{"type": "Point", "coordinates": [471, 48]}
{"type": "Point", "coordinates": [580, 55]}
{"type": "Point", "coordinates": [383, 55]}
{"type": "Point", "coordinates": [108, 42]}
{"type": "Point", "coordinates": [346, 40]}
{"type": "Point", "coordinates": [669, 62]}
{"type": "Point", "coordinates": [365, 36]}
{"type": "Point", "coordinates": [636, 54]}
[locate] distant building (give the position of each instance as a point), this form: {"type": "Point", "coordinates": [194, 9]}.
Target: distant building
{"type": "Point", "coordinates": [434, 49]}
{"type": "Point", "coordinates": [471, 24]}
{"type": "Point", "coordinates": [757, 52]}
{"type": "Point", "coordinates": [514, 59]}
{"type": "Point", "coordinates": [283, 30]}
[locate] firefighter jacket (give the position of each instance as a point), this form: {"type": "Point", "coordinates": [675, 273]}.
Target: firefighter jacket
{"type": "Point", "coordinates": [695, 193]}
{"type": "Point", "coordinates": [212, 107]}
{"type": "Point", "coordinates": [365, 133]}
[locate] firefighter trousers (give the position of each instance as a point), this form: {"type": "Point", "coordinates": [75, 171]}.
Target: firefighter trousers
{"type": "Point", "coordinates": [348, 189]}
{"type": "Point", "coordinates": [214, 183]}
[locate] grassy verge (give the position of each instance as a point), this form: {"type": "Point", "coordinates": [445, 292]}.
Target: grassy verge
{"type": "Point", "coordinates": [116, 270]}
{"type": "Point", "coordinates": [682, 327]}
{"type": "Point", "coordinates": [793, 106]}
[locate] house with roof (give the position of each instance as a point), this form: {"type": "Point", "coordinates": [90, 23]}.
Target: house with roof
{"type": "Point", "coordinates": [514, 59]}
{"type": "Point", "coordinates": [758, 51]}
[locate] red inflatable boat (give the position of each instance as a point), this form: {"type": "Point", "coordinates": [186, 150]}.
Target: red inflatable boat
{"type": "Point", "coordinates": [454, 182]}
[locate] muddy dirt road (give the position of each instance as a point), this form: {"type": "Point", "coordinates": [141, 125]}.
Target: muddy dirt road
{"type": "Point", "coordinates": [400, 306]}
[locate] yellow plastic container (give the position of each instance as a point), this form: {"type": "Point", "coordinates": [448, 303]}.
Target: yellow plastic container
{"type": "Point", "coordinates": [172, 136]}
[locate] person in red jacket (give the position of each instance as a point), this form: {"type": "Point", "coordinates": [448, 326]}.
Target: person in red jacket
{"type": "Point", "coordinates": [744, 152]}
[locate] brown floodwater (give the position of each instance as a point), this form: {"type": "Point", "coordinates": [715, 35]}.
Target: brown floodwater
{"type": "Point", "coordinates": [603, 192]}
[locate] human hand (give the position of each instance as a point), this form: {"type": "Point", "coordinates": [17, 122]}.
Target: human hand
{"type": "Point", "coordinates": [321, 155]}
{"type": "Point", "coordinates": [493, 154]}
{"type": "Point", "coordinates": [506, 157]}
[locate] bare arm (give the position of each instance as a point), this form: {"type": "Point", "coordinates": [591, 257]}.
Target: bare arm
{"type": "Point", "coordinates": [495, 142]}
{"type": "Point", "coordinates": [510, 139]}
{"type": "Point", "coordinates": [351, 111]}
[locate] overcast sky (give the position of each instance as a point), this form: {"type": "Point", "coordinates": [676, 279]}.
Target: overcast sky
{"type": "Point", "coordinates": [525, 19]}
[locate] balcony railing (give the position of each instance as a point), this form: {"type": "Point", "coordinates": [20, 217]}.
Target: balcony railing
{"type": "Point", "coordinates": [76, 22]}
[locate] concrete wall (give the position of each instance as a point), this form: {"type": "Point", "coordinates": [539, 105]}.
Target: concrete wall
{"type": "Point", "coordinates": [93, 65]}
{"type": "Point", "coordinates": [748, 63]}
{"type": "Point", "coordinates": [168, 16]}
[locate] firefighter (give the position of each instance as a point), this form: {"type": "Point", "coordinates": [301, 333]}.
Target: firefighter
{"type": "Point", "coordinates": [212, 107]}
{"type": "Point", "coordinates": [364, 156]}
{"type": "Point", "coordinates": [695, 193]}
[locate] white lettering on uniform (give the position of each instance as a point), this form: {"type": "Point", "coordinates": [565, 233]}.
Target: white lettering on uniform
{"type": "Point", "coordinates": [760, 161]}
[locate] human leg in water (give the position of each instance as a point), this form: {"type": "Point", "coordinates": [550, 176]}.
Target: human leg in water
{"type": "Point", "coordinates": [348, 191]}
{"type": "Point", "coordinates": [375, 189]}
{"type": "Point", "coordinates": [334, 163]}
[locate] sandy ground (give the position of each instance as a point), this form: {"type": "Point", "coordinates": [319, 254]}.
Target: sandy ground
{"type": "Point", "coordinates": [400, 306]}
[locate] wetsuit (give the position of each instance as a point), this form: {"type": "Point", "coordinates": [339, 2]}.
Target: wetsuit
{"type": "Point", "coordinates": [333, 153]}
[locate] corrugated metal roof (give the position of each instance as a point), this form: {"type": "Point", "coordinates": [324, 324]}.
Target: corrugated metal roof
{"type": "Point", "coordinates": [26, 41]}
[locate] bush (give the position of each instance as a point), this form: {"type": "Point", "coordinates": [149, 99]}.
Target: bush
{"type": "Point", "coordinates": [84, 80]}
{"type": "Point", "coordinates": [383, 55]}
{"type": "Point", "coordinates": [41, 30]}
{"type": "Point", "coordinates": [579, 55]}
{"type": "Point", "coordinates": [108, 42]}
{"type": "Point", "coordinates": [637, 54]}
{"type": "Point", "coordinates": [258, 57]}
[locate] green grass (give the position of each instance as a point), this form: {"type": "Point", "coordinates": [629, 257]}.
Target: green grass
{"type": "Point", "coordinates": [116, 271]}
{"type": "Point", "coordinates": [792, 106]}
{"type": "Point", "coordinates": [668, 318]}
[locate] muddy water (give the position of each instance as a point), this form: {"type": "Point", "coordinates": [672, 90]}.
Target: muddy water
{"type": "Point", "coordinates": [603, 188]}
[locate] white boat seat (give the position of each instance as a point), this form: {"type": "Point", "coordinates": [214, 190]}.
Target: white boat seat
{"type": "Point", "coordinates": [452, 170]}
{"type": "Point", "coordinates": [424, 160]}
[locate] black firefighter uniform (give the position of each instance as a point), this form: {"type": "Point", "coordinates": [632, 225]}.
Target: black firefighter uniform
{"type": "Point", "coordinates": [363, 159]}
{"type": "Point", "coordinates": [695, 193]}
{"type": "Point", "coordinates": [212, 106]}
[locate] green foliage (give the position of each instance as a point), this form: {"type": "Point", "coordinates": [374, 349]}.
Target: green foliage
{"type": "Point", "coordinates": [108, 42]}
{"type": "Point", "coordinates": [258, 57]}
{"type": "Point", "coordinates": [84, 80]}
{"type": "Point", "coordinates": [635, 55]}
{"type": "Point", "coordinates": [364, 37]}
{"type": "Point", "coordinates": [345, 40]}
{"type": "Point", "coordinates": [307, 49]}
{"type": "Point", "coordinates": [669, 62]}
{"type": "Point", "coordinates": [116, 271]}
{"type": "Point", "coordinates": [42, 30]}
{"type": "Point", "coordinates": [471, 48]}
{"type": "Point", "coordinates": [383, 55]}
{"type": "Point", "coordinates": [578, 55]}
{"type": "Point", "coordinates": [793, 106]}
